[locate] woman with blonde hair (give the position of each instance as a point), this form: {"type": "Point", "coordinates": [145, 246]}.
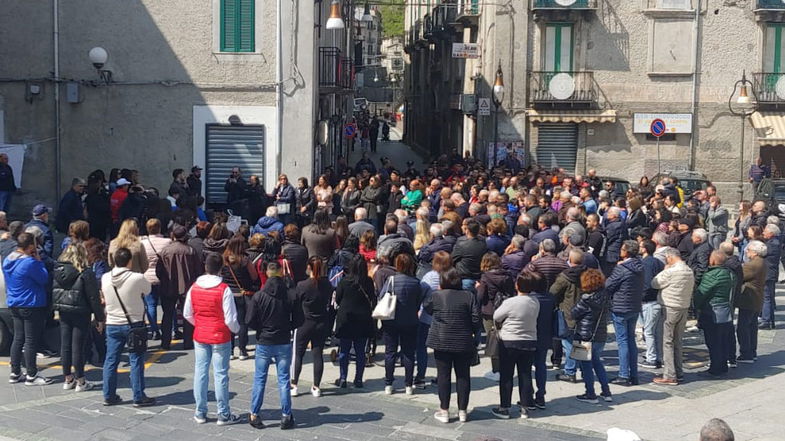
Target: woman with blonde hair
{"type": "Point", "coordinates": [422, 229]}
{"type": "Point", "coordinates": [78, 231]}
{"type": "Point", "coordinates": [153, 244]}
{"type": "Point", "coordinates": [128, 237]}
{"type": "Point", "coordinates": [76, 297]}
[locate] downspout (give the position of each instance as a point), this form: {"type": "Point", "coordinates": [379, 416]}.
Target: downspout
{"type": "Point", "coordinates": [695, 70]}
{"type": "Point", "coordinates": [56, 82]}
{"type": "Point", "coordinates": [278, 86]}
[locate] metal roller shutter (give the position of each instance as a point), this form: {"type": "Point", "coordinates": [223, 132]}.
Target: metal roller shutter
{"type": "Point", "coordinates": [232, 146]}
{"type": "Point", "coordinates": [557, 145]}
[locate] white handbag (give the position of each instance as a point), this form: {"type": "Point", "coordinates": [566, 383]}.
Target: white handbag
{"type": "Point", "coordinates": [284, 208]}
{"type": "Point", "coordinates": [385, 309]}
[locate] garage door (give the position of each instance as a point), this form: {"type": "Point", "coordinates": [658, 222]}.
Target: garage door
{"type": "Point", "coordinates": [232, 146]}
{"type": "Point", "coordinates": [557, 146]}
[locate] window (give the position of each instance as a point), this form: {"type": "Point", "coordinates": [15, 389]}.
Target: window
{"type": "Point", "coordinates": [558, 47]}
{"type": "Point", "coordinates": [237, 26]}
{"type": "Point", "coordinates": [772, 48]}
{"type": "Point", "coordinates": [670, 46]}
{"type": "Point", "coordinates": [674, 4]}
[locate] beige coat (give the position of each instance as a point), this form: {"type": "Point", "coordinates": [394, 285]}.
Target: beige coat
{"type": "Point", "coordinates": [139, 263]}
{"type": "Point", "coordinates": [675, 284]}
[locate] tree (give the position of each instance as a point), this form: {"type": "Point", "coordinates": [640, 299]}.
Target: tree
{"type": "Point", "coordinates": [393, 18]}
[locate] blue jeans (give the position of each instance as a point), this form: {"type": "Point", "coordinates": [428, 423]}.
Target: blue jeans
{"type": "Point", "coordinates": [589, 368]}
{"type": "Point", "coordinates": [265, 355]}
{"type": "Point", "coordinates": [151, 309]}
{"type": "Point", "coordinates": [570, 365]}
{"type": "Point", "coordinates": [769, 305]}
{"type": "Point", "coordinates": [652, 331]}
{"type": "Point", "coordinates": [540, 371]}
{"type": "Point", "coordinates": [624, 325]}
{"type": "Point", "coordinates": [5, 200]}
{"type": "Point", "coordinates": [116, 336]}
{"type": "Point", "coordinates": [422, 350]}
{"type": "Point", "coordinates": [219, 355]}
{"type": "Point", "coordinates": [344, 347]}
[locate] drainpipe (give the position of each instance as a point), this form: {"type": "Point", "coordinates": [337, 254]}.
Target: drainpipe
{"type": "Point", "coordinates": [56, 50]}
{"type": "Point", "coordinates": [279, 86]}
{"type": "Point", "coordinates": [696, 69]}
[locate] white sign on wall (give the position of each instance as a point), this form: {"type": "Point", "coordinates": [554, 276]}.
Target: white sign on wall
{"type": "Point", "coordinates": [484, 107]}
{"type": "Point", "coordinates": [675, 122]}
{"type": "Point", "coordinates": [465, 50]}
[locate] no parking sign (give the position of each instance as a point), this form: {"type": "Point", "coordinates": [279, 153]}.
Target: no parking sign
{"type": "Point", "coordinates": [350, 130]}
{"type": "Point", "coordinates": [657, 127]}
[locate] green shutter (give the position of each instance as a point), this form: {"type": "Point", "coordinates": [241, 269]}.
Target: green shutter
{"type": "Point", "coordinates": [238, 26]}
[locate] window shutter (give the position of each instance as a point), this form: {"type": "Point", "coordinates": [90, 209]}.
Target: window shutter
{"type": "Point", "coordinates": [237, 26]}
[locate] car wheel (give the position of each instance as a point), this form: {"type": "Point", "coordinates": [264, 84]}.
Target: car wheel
{"type": "Point", "coordinates": [5, 338]}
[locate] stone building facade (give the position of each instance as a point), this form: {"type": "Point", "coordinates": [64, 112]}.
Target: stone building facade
{"type": "Point", "coordinates": [584, 79]}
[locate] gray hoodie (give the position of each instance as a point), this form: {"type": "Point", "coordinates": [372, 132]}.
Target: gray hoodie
{"type": "Point", "coordinates": [131, 286]}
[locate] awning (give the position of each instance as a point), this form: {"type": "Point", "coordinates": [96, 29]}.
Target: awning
{"type": "Point", "coordinates": [769, 127]}
{"type": "Point", "coordinates": [572, 116]}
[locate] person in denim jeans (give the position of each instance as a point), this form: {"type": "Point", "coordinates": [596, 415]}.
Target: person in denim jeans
{"type": "Point", "coordinates": [591, 316]}
{"type": "Point", "coordinates": [353, 323]}
{"type": "Point", "coordinates": [209, 306]}
{"type": "Point", "coordinates": [123, 290]}
{"type": "Point", "coordinates": [651, 313]}
{"type": "Point", "coordinates": [274, 315]}
{"type": "Point", "coordinates": [625, 286]}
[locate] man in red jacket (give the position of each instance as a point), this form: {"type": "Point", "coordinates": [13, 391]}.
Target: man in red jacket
{"type": "Point", "coordinates": [209, 306]}
{"type": "Point", "coordinates": [116, 202]}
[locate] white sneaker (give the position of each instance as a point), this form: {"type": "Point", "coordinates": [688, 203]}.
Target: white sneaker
{"type": "Point", "coordinates": [409, 390]}
{"type": "Point", "coordinates": [82, 387]}
{"type": "Point", "coordinates": [37, 381]}
{"type": "Point", "coordinates": [442, 416]}
{"type": "Point", "coordinates": [200, 419]}
{"type": "Point", "coordinates": [388, 390]}
{"type": "Point", "coordinates": [69, 385]}
{"type": "Point", "coordinates": [316, 392]}
{"type": "Point", "coordinates": [462, 416]}
{"type": "Point", "coordinates": [295, 391]}
{"type": "Point", "coordinates": [493, 376]}
{"type": "Point", "coordinates": [232, 419]}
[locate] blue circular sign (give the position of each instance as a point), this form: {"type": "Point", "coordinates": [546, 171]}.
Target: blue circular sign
{"type": "Point", "coordinates": [349, 130]}
{"type": "Point", "coordinates": [657, 127]}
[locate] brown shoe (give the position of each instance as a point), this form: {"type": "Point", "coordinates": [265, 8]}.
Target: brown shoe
{"type": "Point", "coordinates": [665, 381]}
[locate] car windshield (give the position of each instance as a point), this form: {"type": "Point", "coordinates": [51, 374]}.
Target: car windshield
{"type": "Point", "coordinates": [693, 184]}
{"type": "Point", "coordinates": [779, 192]}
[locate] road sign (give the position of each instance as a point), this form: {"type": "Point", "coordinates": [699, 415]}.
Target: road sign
{"type": "Point", "coordinates": [484, 107]}
{"type": "Point", "coordinates": [657, 127]}
{"type": "Point", "coordinates": [349, 130]}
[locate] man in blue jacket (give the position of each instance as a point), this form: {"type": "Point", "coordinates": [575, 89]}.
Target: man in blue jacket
{"type": "Point", "coordinates": [41, 220]}
{"type": "Point", "coordinates": [625, 286]}
{"type": "Point", "coordinates": [616, 234]}
{"type": "Point", "coordinates": [26, 278]}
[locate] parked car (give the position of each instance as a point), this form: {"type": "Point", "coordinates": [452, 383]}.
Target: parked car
{"type": "Point", "coordinates": [689, 181]}
{"type": "Point", "coordinates": [772, 191]}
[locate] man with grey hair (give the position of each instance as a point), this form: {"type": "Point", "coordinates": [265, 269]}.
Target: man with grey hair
{"type": "Point", "coordinates": [546, 262]}
{"type": "Point", "coordinates": [750, 301]}
{"type": "Point", "coordinates": [625, 285]}
{"type": "Point", "coordinates": [660, 240]}
{"type": "Point", "coordinates": [403, 226]}
{"type": "Point", "coordinates": [699, 258]}
{"type": "Point", "coordinates": [360, 225]}
{"type": "Point", "coordinates": [675, 283]}
{"type": "Point", "coordinates": [71, 207]}
{"type": "Point", "coordinates": [716, 430]}
{"type": "Point", "coordinates": [439, 242]}
{"type": "Point", "coordinates": [515, 257]}
{"type": "Point", "coordinates": [573, 219]}
{"type": "Point", "coordinates": [716, 222]}
{"type": "Point", "coordinates": [771, 234]}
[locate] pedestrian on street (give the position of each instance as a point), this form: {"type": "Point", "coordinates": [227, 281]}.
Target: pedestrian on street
{"type": "Point", "coordinates": [26, 278]}
{"type": "Point", "coordinates": [716, 222]}
{"type": "Point", "coordinates": [516, 319]}
{"type": "Point", "coordinates": [128, 237]}
{"type": "Point", "coordinates": [651, 310]}
{"type": "Point", "coordinates": [7, 183]}
{"type": "Point", "coordinates": [153, 244]}
{"type": "Point", "coordinates": [750, 301]}
{"type": "Point", "coordinates": [566, 292]}
{"type": "Point", "coordinates": [771, 235]}
{"type": "Point", "coordinates": [355, 300]}
{"type": "Point", "coordinates": [713, 300]}
{"type": "Point", "coordinates": [274, 315]}
{"type": "Point", "coordinates": [41, 220]}
{"type": "Point", "coordinates": [240, 275]}
{"type": "Point", "coordinates": [194, 182]}
{"type": "Point", "coordinates": [591, 317]}
{"type": "Point", "coordinates": [285, 199]}
{"type": "Point", "coordinates": [71, 208]}
{"type": "Point", "coordinates": [455, 315]}
{"type": "Point", "coordinates": [76, 297]}
{"type": "Point", "coordinates": [123, 290]}
{"type": "Point", "coordinates": [209, 307]}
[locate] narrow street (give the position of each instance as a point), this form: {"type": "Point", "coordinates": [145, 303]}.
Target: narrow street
{"type": "Point", "coordinates": [394, 149]}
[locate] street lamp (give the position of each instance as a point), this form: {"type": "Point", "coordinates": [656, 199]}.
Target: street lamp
{"type": "Point", "coordinates": [98, 56]}
{"type": "Point", "coordinates": [744, 107]}
{"type": "Point", "coordinates": [498, 97]}
{"type": "Point", "coordinates": [367, 17]}
{"type": "Point", "coordinates": [335, 21]}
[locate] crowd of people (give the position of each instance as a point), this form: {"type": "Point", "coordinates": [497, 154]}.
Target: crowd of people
{"type": "Point", "coordinates": [525, 266]}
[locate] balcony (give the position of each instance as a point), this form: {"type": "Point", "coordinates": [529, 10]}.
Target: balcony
{"type": "Point", "coordinates": [563, 90]}
{"type": "Point", "coordinates": [766, 86]}
{"type": "Point", "coordinates": [335, 72]}
{"type": "Point", "coordinates": [427, 24]}
{"type": "Point", "coordinates": [469, 12]}
{"type": "Point", "coordinates": [769, 10]}
{"type": "Point", "coordinates": [770, 4]}
{"type": "Point", "coordinates": [564, 4]}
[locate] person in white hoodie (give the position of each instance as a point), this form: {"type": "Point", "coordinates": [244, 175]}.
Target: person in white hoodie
{"type": "Point", "coordinates": [153, 243]}
{"type": "Point", "coordinates": [209, 306]}
{"type": "Point", "coordinates": [675, 283]}
{"type": "Point", "coordinates": [123, 291]}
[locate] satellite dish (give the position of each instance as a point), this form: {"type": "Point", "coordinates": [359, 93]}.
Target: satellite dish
{"type": "Point", "coordinates": [561, 86]}
{"type": "Point", "coordinates": [780, 87]}
{"type": "Point", "coordinates": [572, 2]}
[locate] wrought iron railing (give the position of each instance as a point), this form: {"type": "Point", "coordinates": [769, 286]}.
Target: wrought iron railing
{"type": "Point", "coordinates": [469, 8]}
{"type": "Point", "coordinates": [769, 87]}
{"type": "Point", "coordinates": [557, 4]}
{"type": "Point", "coordinates": [568, 88]}
{"type": "Point", "coordinates": [334, 70]}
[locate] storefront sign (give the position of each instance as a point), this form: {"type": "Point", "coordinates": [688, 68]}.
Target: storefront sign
{"type": "Point", "coordinates": [675, 122]}
{"type": "Point", "coordinates": [465, 50]}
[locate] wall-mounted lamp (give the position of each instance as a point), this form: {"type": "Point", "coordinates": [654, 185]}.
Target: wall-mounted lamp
{"type": "Point", "coordinates": [98, 57]}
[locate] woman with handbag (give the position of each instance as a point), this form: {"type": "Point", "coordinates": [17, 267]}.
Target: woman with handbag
{"type": "Point", "coordinates": [239, 273]}
{"type": "Point", "coordinates": [591, 330]}
{"type": "Point", "coordinates": [516, 319]}
{"type": "Point", "coordinates": [353, 323]}
{"type": "Point", "coordinates": [455, 314]}
{"type": "Point", "coordinates": [494, 287]}
{"type": "Point", "coordinates": [401, 328]}
{"type": "Point", "coordinates": [76, 296]}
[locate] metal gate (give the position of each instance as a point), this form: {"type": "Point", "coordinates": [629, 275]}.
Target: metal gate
{"type": "Point", "coordinates": [557, 145]}
{"type": "Point", "coordinates": [232, 146]}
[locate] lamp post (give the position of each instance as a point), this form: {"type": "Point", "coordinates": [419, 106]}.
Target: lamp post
{"type": "Point", "coordinates": [335, 21]}
{"type": "Point", "coordinates": [744, 107]}
{"type": "Point", "coordinates": [498, 97]}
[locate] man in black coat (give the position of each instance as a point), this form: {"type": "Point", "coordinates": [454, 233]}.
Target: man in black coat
{"type": "Point", "coordinates": [699, 258]}
{"type": "Point", "coordinates": [71, 207]}
{"type": "Point", "coordinates": [7, 183]}
{"type": "Point", "coordinates": [440, 242]}
{"type": "Point", "coordinates": [194, 181]}
{"type": "Point", "coordinates": [615, 235]}
{"type": "Point", "coordinates": [467, 254]}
